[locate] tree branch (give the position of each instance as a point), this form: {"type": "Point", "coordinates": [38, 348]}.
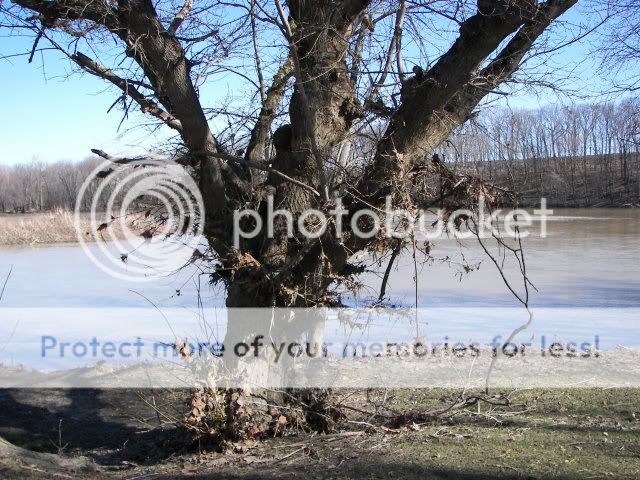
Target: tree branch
{"type": "Point", "coordinates": [101, 13]}
{"type": "Point", "coordinates": [260, 131]}
{"type": "Point", "coordinates": [504, 65]}
{"type": "Point", "coordinates": [180, 17]}
{"type": "Point", "coordinates": [324, 186]}
{"type": "Point", "coordinates": [433, 104]}
{"type": "Point", "coordinates": [394, 48]}
{"type": "Point", "coordinates": [147, 106]}
{"type": "Point", "coordinates": [263, 167]}
{"type": "Point", "coordinates": [256, 51]}
{"type": "Point", "coordinates": [164, 62]}
{"type": "Point", "coordinates": [6, 280]}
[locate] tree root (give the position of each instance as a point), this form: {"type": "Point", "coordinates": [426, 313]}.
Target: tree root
{"type": "Point", "coordinates": [46, 461]}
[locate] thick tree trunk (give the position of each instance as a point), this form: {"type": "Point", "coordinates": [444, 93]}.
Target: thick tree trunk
{"type": "Point", "coordinates": [296, 272]}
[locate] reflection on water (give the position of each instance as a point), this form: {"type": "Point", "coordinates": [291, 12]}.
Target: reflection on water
{"type": "Point", "coordinates": [589, 259]}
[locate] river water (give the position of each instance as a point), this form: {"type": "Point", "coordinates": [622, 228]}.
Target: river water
{"type": "Point", "coordinates": [586, 271]}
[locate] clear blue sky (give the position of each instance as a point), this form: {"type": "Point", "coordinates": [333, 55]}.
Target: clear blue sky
{"type": "Point", "coordinates": [52, 118]}
{"type": "Point", "coordinates": [48, 117]}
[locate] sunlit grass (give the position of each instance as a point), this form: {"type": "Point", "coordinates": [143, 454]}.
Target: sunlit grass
{"type": "Point", "coordinates": [57, 226]}
{"type": "Point", "coordinates": [38, 228]}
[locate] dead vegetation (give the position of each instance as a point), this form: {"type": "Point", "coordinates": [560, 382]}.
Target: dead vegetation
{"type": "Point", "coordinates": [37, 228]}
{"type": "Point", "coordinates": [58, 226]}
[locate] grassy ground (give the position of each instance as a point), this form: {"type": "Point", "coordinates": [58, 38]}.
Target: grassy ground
{"type": "Point", "coordinates": [567, 434]}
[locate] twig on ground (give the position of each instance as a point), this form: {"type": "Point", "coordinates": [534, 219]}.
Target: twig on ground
{"type": "Point", "coordinates": [288, 455]}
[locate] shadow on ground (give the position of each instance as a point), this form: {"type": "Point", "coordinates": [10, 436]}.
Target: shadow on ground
{"type": "Point", "coordinates": [106, 425]}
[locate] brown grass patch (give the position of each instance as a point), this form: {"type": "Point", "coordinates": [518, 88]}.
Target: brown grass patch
{"type": "Point", "coordinates": [58, 226]}
{"type": "Point", "coordinates": [38, 228]}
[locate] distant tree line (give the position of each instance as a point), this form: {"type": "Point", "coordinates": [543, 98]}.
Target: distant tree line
{"type": "Point", "coordinates": [38, 186]}
{"type": "Point", "coordinates": [580, 155]}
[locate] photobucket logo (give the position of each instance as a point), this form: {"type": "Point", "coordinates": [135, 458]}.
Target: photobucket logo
{"type": "Point", "coordinates": [393, 223]}
{"type": "Point", "coordinates": [139, 219]}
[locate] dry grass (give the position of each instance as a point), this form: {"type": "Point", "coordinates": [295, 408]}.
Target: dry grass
{"type": "Point", "coordinates": [58, 226]}
{"type": "Point", "coordinates": [38, 228]}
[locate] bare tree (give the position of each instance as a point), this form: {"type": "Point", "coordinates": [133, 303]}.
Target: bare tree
{"type": "Point", "coordinates": [169, 58]}
{"type": "Point", "coordinates": [39, 186]}
{"type": "Point", "coordinates": [578, 155]}
{"type": "Point", "coordinates": [346, 60]}
{"type": "Point", "coordinates": [620, 46]}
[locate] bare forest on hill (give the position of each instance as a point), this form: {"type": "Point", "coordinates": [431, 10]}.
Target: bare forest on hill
{"type": "Point", "coordinates": [584, 155]}
{"type": "Point", "coordinates": [577, 156]}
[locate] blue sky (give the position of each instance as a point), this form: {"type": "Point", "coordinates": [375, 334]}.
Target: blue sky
{"type": "Point", "coordinates": [53, 118]}
{"type": "Point", "coordinates": [49, 117]}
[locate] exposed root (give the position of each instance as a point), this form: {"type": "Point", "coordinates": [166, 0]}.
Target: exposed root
{"type": "Point", "coordinates": [49, 462]}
